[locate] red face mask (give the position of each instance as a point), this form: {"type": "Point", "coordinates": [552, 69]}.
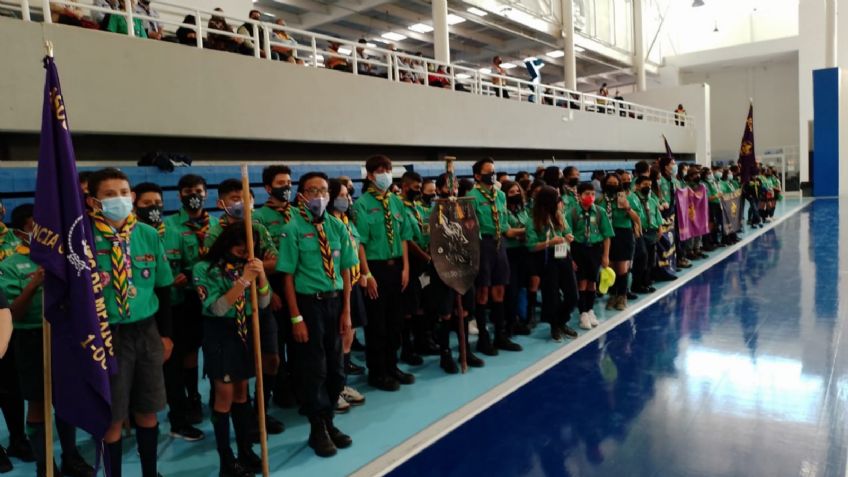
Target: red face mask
{"type": "Point", "coordinates": [587, 200]}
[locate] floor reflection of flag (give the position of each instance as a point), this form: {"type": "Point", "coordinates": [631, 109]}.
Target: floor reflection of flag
{"type": "Point", "coordinates": [694, 306]}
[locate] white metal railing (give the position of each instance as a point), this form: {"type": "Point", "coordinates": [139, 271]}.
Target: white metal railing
{"type": "Point", "coordinates": [354, 57]}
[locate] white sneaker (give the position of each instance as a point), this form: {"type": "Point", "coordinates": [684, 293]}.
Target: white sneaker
{"type": "Point", "coordinates": [472, 328]}
{"type": "Point", "coordinates": [585, 321]}
{"type": "Point", "coordinates": [593, 320]}
{"type": "Point", "coordinates": [342, 406]}
{"type": "Point", "coordinates": [352, 396]}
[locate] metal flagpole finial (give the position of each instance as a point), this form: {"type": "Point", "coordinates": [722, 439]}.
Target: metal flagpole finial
{"type": "Point", "coordinates": [48, 45]}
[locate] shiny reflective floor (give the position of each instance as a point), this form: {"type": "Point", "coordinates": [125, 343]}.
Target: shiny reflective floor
{"type": "Point", "coordinates": [740, 372]}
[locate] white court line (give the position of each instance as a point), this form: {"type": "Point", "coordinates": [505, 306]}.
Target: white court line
{"type": "Point", "coordinates": [423, 439]}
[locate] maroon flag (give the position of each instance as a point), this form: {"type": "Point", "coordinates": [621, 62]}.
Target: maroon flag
{"type": "Point", "coordinates": [747, 159]}
{"type": "Point", "coordinates": [61, 243]}
{"type": "Point", "coordinates": [693, 212]}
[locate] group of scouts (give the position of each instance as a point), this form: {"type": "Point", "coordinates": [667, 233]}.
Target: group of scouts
{"type": "Point", "coordinates": [324, 265]}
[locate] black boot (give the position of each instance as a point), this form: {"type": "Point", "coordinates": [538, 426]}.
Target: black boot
{"type": "Point", "coordinates": [484, 343]}
{"type": "Point", "coordinates": [351, 368]}
{"type": "Point", "coordinates": [319, 440]}
{"type": "Point", "coordinates": [229, 466]}
{"type": "Point", "coordinates": [470, 359]}
{"type": "Point", "coordinates": [339, 438]}
{"type": "Point", "coordinates": [531, 309]}
{"type": "Point", "coordinates": [242, 414]}
{"type": "Point", "coordinates": [502, 341]}
{"type": "Point", "coordinates": [407, 351]}
{"type": "Point", "coordinates": [447, 363]}
{"type": "Point", "coordinates": [5, 463]}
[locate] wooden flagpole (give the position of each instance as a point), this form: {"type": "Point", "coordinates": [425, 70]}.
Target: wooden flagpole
{"type": "Point", "coordinates": [254, 307]}
{"type": "Point", "coordinates": [47, 356]}
{"type": "Point", "coordinates": [460, 311]}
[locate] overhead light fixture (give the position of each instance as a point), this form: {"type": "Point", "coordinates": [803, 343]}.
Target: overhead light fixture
{"type": "Point", "coordinates": [371, 45]}
{"type": "Point", "coordinates": [698, 3]}
{"type": "Point", "coordinates": [421, 28]}
{"type": "Point", "coordinates": [507, 66]}
{"type": "Point", "coordinates": [463, 76]}
{"type": "Point", "coordinates": [454, 19]}
{"type": "Point", "coordinates": [382, 40]}
{"type": "Point", "coordinates": [393, 36]}
{"type": "Point", "coordinates": [344, 51]}
{"type": "Point", "coordinates": [555, 54]}
{"type": "Point", "coordinates": [485, 71]}
{"type": "Point", "coordinates": [477, 11]}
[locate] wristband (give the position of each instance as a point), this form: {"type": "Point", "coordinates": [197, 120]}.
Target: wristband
{"type": "Point", "coordinates": [368, 275]}
{"type": "Point", "coordinates": [297, 319]}
{"type": "Point", "coordinates": [264, 289]}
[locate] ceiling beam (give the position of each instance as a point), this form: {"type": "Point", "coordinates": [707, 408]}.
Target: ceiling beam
{"type": "Point", "coordinates": [311, 6]}
{"type": "Point", "coordinates": [462, 31]}
{"type": "Point", "coordinates": [338, 12]}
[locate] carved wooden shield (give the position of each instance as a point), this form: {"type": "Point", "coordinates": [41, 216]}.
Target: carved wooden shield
{"type": "Point", "coordinates": [455, 242]}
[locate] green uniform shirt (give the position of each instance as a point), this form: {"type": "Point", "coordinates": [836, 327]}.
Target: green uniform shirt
{"type": "Point", "coordinates": [712, 190]}
{"type": "Point", "coordinates": [590, 226]}
{"type": "Point", "coordinates": [300, 254]}
{"type": "Point", "coordinates": [15, 273]}
{"type": "Point", "coordinates": [266, 244]}
{"type": "Point", "coordinates": [725, 187]}
{"type": "Point", "coordinates": [569, 201]}
{"type": "Point", "coordinates": [484, 211]}
{"type": "Point", "coordinates": [370, 220]}
{"type": "Point", "coordinates": [517, 220]}
{"type": "Point", "coordinates": [173, 243]}
{"type": "Point", "coordinates": [648, 210]}
{"type": "Point", "coordinates": [150, 269]}
{"type": "Point", "coordinates": [8, 242]}
{"type": "Point", "coordinates": [212, 282]}
{"type": "Point", "coordinates": [619, 217]}
{"type": "Point", "coordinates": [420, 232]}
{"type": "Point", "coordinates": [190, 244]}
{"type": "Point", "coordinates": [535, 236]}
{"type": "Point", "coordinates": [273, 221]}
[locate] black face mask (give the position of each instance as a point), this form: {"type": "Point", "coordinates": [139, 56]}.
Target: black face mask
{"type": "Point", "coordinates": [412, 195]}
{"type": "Point", "coordinates": [150, 215]}
{"type": "Point", "coordinates": [283, 194]}
{"type": "Point", "coordinates": [235, 260]}
{"type": "Point", "coordinates": [646, 190]}
{"type": "Point", "coordinates": [193, 202]}
{"type": "Point", "coordinates": [487, 179]}
{"type": "Point", "coordinates": [625, 186]}
{"type": "Point", "coordinates": [611, 190]}
{"type": "Point", "coordinates": [514, 201]}
{"type": "Point", "coordinates": [428, 198]}
{"type": "Point", "coordinates": [444, 195]}
{"type": "Point", "coordinates": [572, 181]}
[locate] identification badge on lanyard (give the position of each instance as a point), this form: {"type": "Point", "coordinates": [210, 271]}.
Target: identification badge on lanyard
{"type": "Point", "coordinates": [561, 250]}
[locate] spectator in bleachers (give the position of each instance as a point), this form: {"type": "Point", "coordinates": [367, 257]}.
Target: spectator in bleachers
{"type": "Point", "coordinates": [68, 15]}
{"type": "Point", "coordinates": [603, 92]}
{"type": "Point", "coordinates": [218, 41]}
{"type": "Point", "coordinates": [420, 69]}
{"type": "Point", "coordinates": [499, 82]}
{"type": "Point", "coordinates": [101, 17]}
{"type": "Point", "coordinates": [153, 28]}
{"type": "Point", "coordinates": [186, 35]}
{"type": "Point", "coordinates": [335, 60]}
{"type": "Point", "coordinates": [679, 114]}
{"type": "Point", "coordinates": [363, 67]}
{"type": "Point", "coordinates": [288, 52]}
{"type": "Point", "coordinates": [118, 23]}
{"type": "Point", "coordinates": [248, 46]}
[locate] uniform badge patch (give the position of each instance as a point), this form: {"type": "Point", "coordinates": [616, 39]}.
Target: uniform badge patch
{"type": "Point", "coordinates": [145, 273]}
{"type": "Point", "coordinates": [309, 235]}
{"type": "Point", "coordinates": [336, 253]}
{"type": "Point", "coordinates": [105, 278]}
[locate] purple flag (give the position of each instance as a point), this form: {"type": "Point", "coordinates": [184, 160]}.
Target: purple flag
{"type": "Point", "coordinates": [747, 159]}
{"type": "Point", "coordinates": [693, 212]}
{"type": "Point", "coordinates": [61, 243]}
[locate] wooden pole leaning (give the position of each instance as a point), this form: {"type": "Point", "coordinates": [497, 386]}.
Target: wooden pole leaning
{"type": "Point", "coordinates": [254, 307]}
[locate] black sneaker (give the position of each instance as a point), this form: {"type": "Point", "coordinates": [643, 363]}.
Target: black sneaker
{"type": "Point", "coordinates": [353, 369]}
{"type": "Point", "coordinates": [319, 439]}
{"type": "Point", "coordinates": [339, 438]}
{"type": "Point", "coordinates": [383, 383]}
{"type": "Point", "coordinates": [194, 415]}
{"type": "Point", "coordinates": [21, 449]}
{"type": "Point", "coordinates": [249, 461]}
{"type": "Point", "coordinates": [506, 344]}
{"type": "Point", "coordinates": [73, 465]}
{"type": "Point", "coordinates": [568, 331]}
{"type": "Point", "coordinates": [448, 364]}
{"type": "Point", "coordinates": [484, 345]}
{"type": "Point", "coordinates": [555, 333]}
{"type": "Point", "coordinates": [472, 360]}
{"type": "Point", "coordinates": [273, 426]}
{"type": "Point", "coordinates": [521, 329]}
{"type": "Point", "coordinates": [402, 377]}
{"type": "Point", "coordinates": [632, 296]}
{"type": "Point", "coordinates": [5, 463]}
{"type": "Point", "coordinates": [187, 433]}
{"type": "Point", "coordinates": [411, 358]}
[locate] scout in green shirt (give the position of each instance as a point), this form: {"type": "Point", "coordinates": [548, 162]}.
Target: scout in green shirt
{"type": "Point", "coordinates": [548, 235]}
{"type": "Point", "coordinates": [8, 240]}
{"type": "Point", "coordinates": [384, 232]}
{"type": "Point", "coordinates": [517, 217]}
{"type": "Point", "coordinates": [626, 227]}
{"type": "Point", "coordinates": [135, 278]}
{"type": "Point", "coordinates": [521, 275]}
{"type": "Point", "coordinates": [490, 204]}
{"type": "Point", "coordinates": [316, 255]}
{"type": "Point", "coordinates": [571, 177]}
{"type": "Point", "coordinates": [223, 280]}
{"type": "Point", "coordinates": [277, 211]}
{"type": "Point", "coordinates": [590, 250]}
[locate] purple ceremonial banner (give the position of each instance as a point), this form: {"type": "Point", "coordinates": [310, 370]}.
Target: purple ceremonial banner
{"type": "Point", "coordinates": [693, 212]}
{"type": "Point", "coordinates": [73, 304]}
{"type": "Point", "coordinates": [747, 158]}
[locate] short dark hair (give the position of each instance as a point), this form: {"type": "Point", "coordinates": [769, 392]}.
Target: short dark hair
{"type": "Point", "coordinates": [585, 186]}
{"type": "Point", "coordinates": [102, 175]}
{"type": "Point", "coordinates": [271, 172]}
{"type": "Point", "coordinates": [145, 187]}
{"type": "Point", "coordinates": [84, 176]}
{"type": "Point", "coordinates": [20, 215]}
{"type": "Point", "coordinates": [375, 162]}
{"type": "Point", "coordinates": [191, 180]}
{"type": "Point", "coordinates": [442, 180]}
{"type": "Point", "coordinates": [641, 167]}
{"type": "Point", "coordinates": [501, 174]}
{"type": "Point", "coordinates": [465, 185]}
{"type": "Point", "coordinates": [478, 166]}
{"type": "Point", "coordinates": [301, 183]}
{"type": "Point", "coordinates": [642, 179]}
{"type": "Point", "coordinates": [228, 185]}
{"type": "Point", "coordinates": [410, 177]}
{"type": "Point", "coordinates": [567, 170]}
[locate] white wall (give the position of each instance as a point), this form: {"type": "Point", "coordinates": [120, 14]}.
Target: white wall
{"type": "Point", "coordinates": [696, 100]}
{"type": "Point", "coordinates": [122, 85]}
{"type": "Point", "coordinates": [773, 86]}
{"type": "Point", "coordinates": [810, 57]}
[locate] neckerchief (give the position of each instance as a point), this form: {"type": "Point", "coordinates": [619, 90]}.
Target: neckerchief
{"type": "Point", "coordinates": [160, 227]}
{"type": "Point", "coordinates": [383, 197]}
{"type": "Point", "coordinates": [415, 211]}
{"type": "Point", "coordinates": [22, 248]}
{"type": "Point", "coordinates": [233, 273]}
{"type": "Point", "coordinates": [645, 205]}
{"type": "Point", "coordinates": [200, 228]}
{"type": "Point", "coordinates": [491, 196]}
{"type": "Point", "coordinates": [323, 244]}
{"type": "Point", "coordinates": [284, 210]}
{"type": "Point", "coordinates": [587, 216]}
{"type": "Point", "coordinates": [355, 273]}
{"type": "Point", "coordinates": [608, 206]}
{"type": "Point", "coordinates": [120, 258]}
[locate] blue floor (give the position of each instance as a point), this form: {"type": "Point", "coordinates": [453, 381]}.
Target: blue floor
{"type": "Point", "coordinates": [670, 372]}
{"type": "Point", "coordinates": [740, 372]}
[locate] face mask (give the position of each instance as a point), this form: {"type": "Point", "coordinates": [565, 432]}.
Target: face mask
{"type": "Point", "coordinates": [587, 200]}
{"type": "Point", "coordinates": [412, 195]}
{"type": "Point", "coordinates": [193, 202]}
{"type": "Point", "coordinates": [317, 206]}
{"type": "Point", "coordinates": [611, 190]}
{"type": "Point", "coordinates": [444, 195]}
{"type": "Point", "coordinates": [572, 182]}
{"type": "Point", "coordinates": [236, 210]}
{"type": "Point", "coordinates": [150, 215]}
{"type": "Point", "coordinates": [730, 177]}
{"type": "Point", "coordinates": [383, 180]}
{"type": "Point", "coordinates": [116, 208]}
{"type": "Point", "coordinates": [283, 194]}
{"type": "Point", "coordinates": [674, 169]}
{"type": "Point", "coordinates": [625, 186]}
{"type": "Point", "coordinates": [234, 259]}
{"type": "Point", "coordinates": [428, 198]}
{"type": "Point", "coordinates": [646, 190]}
{"type": "Point", "coordinates": [514, 201]}
{"type": "Point", "coordinates": [341, 204]}
{"type": "Point", "coordinates": [488, 179]}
